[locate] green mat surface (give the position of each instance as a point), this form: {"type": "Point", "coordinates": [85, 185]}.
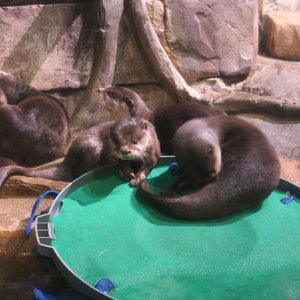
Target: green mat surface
{"type": "Point", "coordinates": [103, 231]}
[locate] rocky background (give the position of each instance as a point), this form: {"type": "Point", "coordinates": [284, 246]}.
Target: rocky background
{"type": "Point", "coordinates": [242, 53]}
{"type": "Point", "coordinates": [50, 46]}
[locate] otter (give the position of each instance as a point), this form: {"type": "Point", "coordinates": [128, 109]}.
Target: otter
{"type": "Point", "coordinates": [166, 120]}
{"type": "Point", "coordinates": [34, 131]}
{"type": "Point", "coordinates": [130, 142]}
{"type": "Point", "coordinates": [136, 106]}
{"type": "Point", "coordinates": [33, 124]}
{"type": "Point", "coordinates": [229, 164]}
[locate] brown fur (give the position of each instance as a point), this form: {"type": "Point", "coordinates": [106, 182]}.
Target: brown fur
{"type": "Point", "coordinates": [166, 120]}
{"type": "Point", "coordinates": [33, 124]}
{"type": "Point", "coordinates": [249, 170]}
{"type": "Point", "coordinates": [130, 142]}
{"type": "Point", "coordinates": [33, 132]}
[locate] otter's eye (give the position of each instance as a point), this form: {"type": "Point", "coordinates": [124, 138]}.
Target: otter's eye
{"type": "Point", "coordinates": [135, 141]}
{"type": "Point", "coordinates": [209, 150]}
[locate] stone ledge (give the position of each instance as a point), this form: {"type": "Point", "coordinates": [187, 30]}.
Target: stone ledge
{"type": "Point", "coordinates": [246, 102]}
{"type": "Point", "coordinates": [18, 186]}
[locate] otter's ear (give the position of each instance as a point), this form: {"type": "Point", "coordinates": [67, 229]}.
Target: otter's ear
{"type": "Point", "coordinates": [129, 101]}
{"type": "Point", "coordinates": [144, 124]}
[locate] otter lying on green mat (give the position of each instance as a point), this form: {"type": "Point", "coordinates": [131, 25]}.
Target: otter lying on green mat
{"type": "Point", "coordinates": [228, 162]}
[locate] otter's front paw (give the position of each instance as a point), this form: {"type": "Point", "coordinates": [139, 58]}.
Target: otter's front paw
{"type": "Point", "coordinates": [137, 179]}
{"type": "Point", "coordinates": [127, 171]}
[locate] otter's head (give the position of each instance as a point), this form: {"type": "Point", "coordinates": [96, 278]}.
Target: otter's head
{"type": "Point", "coordinates": [212, 160]}
{"type": "Point", "coordinates": [119, 100]}
{"type": "Point", "coordinates": [121, 94]}
{"type": "Point", "coordinates": [130, 138]}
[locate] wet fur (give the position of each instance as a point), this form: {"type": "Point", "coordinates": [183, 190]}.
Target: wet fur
{"type": "Point", "coordinates": [166, 120]}
{"type": "Point", "coordinates": [250, 171]}
{"type": "Point", "coordinates": [130, 142]}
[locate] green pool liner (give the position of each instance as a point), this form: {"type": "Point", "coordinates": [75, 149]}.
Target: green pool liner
{"type": "Point", "coordinates": [103, 231]}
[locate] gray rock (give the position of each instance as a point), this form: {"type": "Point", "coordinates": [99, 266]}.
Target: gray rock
{"type": "Point", "coordinates": [274, 77]}
{"type": "Point", "coordinates": [48, 46]}
{"type": "Point", "coordinates": [131, 66]}
{"type": "Point", "coordinates": [210, 38]}
{"type": "Point", "coordinates": [283, 135]}
{"type": "Point", "coordinates": [286, 5]}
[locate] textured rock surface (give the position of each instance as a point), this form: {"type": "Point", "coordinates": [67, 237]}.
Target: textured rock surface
{"type": "Point", "coordinates": [48, 46]}
{"type": "Point", "coordinates": [208, 38]}
{"type": "Point", "coordinates": [283, 135]}
{"type": "Point", "coordinates": [131, 66]}
{"type": "Point", "coordinates": [281, 34]}
{"type": "Point", "coordinates": [276, 78]}
{"type": "Point", "coordinates": [287, 5]}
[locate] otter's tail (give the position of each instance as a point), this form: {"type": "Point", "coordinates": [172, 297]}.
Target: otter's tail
{"type": "Point", "coordinates": [136, 106]}
{"type": "Point", "coordinates": [58, 172]}
{"type": "Point", "coordinates": [213, 201]}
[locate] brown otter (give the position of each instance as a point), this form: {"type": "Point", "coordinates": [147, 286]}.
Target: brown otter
{"type": "Point", "coordinates": [130, 142]}
{"type": "Point", "coordinates": [34, 131]}
{"type": "Point", "coordinates": [33, 124]}
{"type": "Point", "coordinates": [247, 173]}
{"type": "Point", "coordinates": [166, 120]}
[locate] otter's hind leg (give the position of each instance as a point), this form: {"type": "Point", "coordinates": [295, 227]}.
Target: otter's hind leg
{"type": "Point", "coordinates": [84, 155]}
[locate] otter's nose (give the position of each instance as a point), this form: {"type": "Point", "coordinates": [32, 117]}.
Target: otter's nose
{"type": "Point", "coordinates": [125, 151]}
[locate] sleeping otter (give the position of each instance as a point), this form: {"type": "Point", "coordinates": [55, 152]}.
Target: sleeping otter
{"type": "Point", "coordinates": [246, 174]}
{"type": "Point", "coordinates": [166, 120]}
{"type": "Point", "coordinates": [33, 125]}
{"type": "Point", "coordinates": [130, 142]}
{"type": "Point", "coordinates": [34, 131]}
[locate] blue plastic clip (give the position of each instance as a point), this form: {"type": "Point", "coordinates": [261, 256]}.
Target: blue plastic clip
{"type": "Point", "coordinates": [104, 285]}
{"type": "Point", "coordinates": [174, 168]}
{"type": "Point", "coordinates": [288, 199]}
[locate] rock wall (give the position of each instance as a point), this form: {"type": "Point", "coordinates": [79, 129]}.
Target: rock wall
{"type": "Point", "coordinates": [282, 5]}
{"type": "Point", "coordinates": [50, 46]}
{"type": "Point", "coordinates": [282, 32]}
{"type": "Point", "coordinates": [209, 38]}
{"type": "Point", "coordinates": [281, 29]}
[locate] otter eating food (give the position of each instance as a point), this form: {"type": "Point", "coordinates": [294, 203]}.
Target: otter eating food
{"type": "Point", "coordinates": [229, 163]}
